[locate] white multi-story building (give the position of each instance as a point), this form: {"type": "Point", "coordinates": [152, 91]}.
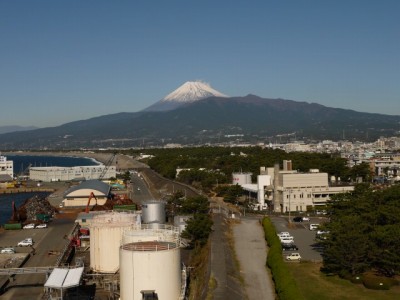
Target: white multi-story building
{"type": "Point", "coordinates": [295, 191]}
{"type": "Point", "coordinates": [6, 166]}
{"type": "Point", "coordinates": [287, 190]}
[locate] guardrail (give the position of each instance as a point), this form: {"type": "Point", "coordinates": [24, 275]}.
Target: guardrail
{"type": "Point", "coordinates": [73, 232]}
{"type": "Point", "coordinates": [19, 271]}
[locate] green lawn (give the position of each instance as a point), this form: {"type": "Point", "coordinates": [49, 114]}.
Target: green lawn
{"type": "Point", "coordinates": [316, 286]}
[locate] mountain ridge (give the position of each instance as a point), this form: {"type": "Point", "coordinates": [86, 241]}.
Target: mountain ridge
{"type": "Point", "coordinates": [211, 120]}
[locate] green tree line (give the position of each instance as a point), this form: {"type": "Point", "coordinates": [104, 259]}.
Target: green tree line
{"type": "Point", "coordinates": [211, 164]}
{"type": "Point", "coordinates": [364, 232]}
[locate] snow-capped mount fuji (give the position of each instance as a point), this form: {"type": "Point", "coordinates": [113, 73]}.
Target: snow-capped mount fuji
{"type": "Point", "coordinates": [188, 92]}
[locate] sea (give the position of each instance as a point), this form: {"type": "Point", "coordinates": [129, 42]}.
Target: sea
{"type": "Point", "coordinates": [21, 163]}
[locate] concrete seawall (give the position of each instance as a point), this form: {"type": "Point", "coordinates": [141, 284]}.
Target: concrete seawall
{"type": "Point", "coordinates": [26, 190]}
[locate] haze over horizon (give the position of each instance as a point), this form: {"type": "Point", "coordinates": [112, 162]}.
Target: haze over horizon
{"type": "Point", "coordinates": [74, 60]}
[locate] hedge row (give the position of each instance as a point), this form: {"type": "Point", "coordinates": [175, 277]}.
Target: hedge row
{"type": "Point", "coordinates": [285, 286]}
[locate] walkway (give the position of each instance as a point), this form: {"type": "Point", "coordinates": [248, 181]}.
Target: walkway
{"type": "Point", "coordinates": [251, 251]}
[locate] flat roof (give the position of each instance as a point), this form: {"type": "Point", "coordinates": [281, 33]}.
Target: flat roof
{"type": "Point", "coordinates": [64, 278]}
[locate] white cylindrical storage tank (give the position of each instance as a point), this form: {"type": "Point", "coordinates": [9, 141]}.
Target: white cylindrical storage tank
{"type": "Point", "coordinates": [150, 232]}
{"type": "Point", "coordinates": [152, 264]}
{"type": "Point", "coordinates": [241, 178]}
{"type": "Point", "coordinates": [105, 239]}
{"type": "Point", "coordinates": [153, 211]}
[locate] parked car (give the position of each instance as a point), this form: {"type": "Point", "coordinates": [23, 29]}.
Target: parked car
{"type": "Point", "coordinates": [297, 219]}
{"type": "Point", "coordinates": [322, 235]}
{"type": "Point", "coordinates": [293, 256]}
{"type": "Point", "coordinates": [283, 234]}
{"type": "Point", "coordinates": [7, 251]}
{"type": "Point", "coordinates": [289, 247]}
{"type": "Point", "coordinates": [287, 240]}
{"type": "Point", "coordinates": [44, 225]}
{"type": "Point", "coordinates": [29, 226]}
{"type": "Point", "coordinates": [314, 226]}
{"type": "Point", "coordinates": [319, 232]}
{"type": "Point", "coordinates": [26, 242]}
{"type": "Point", "coordinates": [306, 219]}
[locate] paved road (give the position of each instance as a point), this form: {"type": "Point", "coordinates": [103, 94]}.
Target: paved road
{"type": "Point", "coordinates": [223, 268]}
{"type": "Point", "coordinates": [251, 251]}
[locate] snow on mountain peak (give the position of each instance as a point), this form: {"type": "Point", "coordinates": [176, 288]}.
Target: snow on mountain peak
{"type": "Point", "coordinates": [191, 91]}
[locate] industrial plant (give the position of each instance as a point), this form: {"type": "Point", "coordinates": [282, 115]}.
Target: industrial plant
{"type": "Point", "coordinates": [128, 254]}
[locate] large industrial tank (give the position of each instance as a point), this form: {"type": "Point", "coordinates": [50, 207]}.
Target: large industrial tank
{"type": "Point", "coordinates": [150, 232]}
{"type": "Point", "coordinates": [105, 239]}
{"type": "Point", "coordinates": [241, 178]}
{"type": "Point", "coordinates": [153, 211]}
{"type": "Point", "coordinates": [150, 261]}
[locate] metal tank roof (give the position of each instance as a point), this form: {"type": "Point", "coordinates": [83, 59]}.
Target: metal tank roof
{"type": "Point", "coordinates": [94, 184]}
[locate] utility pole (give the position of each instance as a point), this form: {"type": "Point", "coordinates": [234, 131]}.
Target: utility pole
{"type": "Point", "coordinates": [290, 219]}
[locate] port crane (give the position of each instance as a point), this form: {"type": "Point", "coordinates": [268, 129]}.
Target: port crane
{"type": "Point", "coordinates": [106, 166]}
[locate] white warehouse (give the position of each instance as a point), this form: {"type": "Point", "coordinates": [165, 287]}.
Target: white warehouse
{"type": "Point", "coordinates": [49, 174]}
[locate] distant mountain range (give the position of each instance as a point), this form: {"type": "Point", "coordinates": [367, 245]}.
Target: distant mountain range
{"type": "Point", "coordinates": [194, 119]}
{"type": "Point", "coordinates": [5, 129]}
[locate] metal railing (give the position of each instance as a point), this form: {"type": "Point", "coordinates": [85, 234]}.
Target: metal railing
{"type": "Point", "coordinates": [21, 271]}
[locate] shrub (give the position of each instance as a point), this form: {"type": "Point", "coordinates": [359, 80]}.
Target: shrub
{"type": "Point", "coordinates": [285, 286]}
{"type": "Point", "coordinates": [378, 283]}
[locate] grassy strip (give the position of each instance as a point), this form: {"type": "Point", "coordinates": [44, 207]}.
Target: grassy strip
{"type": "Point", "coordinates": [212, 285]}
{"type": "Point", "coordinates": [198, 276]}
{"type": "Point", "coordinates": [285, 285]}
{"type": "Point", "coordinates": [316, 285]}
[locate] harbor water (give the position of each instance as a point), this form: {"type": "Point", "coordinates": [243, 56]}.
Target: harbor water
{"type": "Point", "coordinates": [21, 163]}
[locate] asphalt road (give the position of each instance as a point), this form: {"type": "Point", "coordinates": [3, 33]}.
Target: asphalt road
{"type": "Point", "coordinates": [138, 190]}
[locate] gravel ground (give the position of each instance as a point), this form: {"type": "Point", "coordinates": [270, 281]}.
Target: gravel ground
{"type": "Point", "coordinates": [251, 251]}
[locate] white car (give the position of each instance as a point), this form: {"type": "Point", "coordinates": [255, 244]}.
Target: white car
{"type": "Point", "coordinates": [26, 242]}
{"type": "Point", "coordinates": [44, 225]}
{"type": "Point", "coordinates": [314, 226]}
{"type": "Point", "coordinates": [283, 234]}
{"type": "Point", "coordinates": [7, 251]}
{"type": "Point", "coordinates": [29, 226]}
{"type": "Point", "coordinates": [287, 240]}
{"type": "Point", "coordinates": [322, 232]}
{"type": "Point", "coordinates": [306, 219]}
{"type": "Point", "coordinates": [294, 256]}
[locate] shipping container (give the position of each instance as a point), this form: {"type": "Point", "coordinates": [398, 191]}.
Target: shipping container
{"type": "Point", "coordinates": [124, 207]}
{"type": "Point", "coordinates": [43, 217]}
{"type": "Point", "coordinates": [12, 226]}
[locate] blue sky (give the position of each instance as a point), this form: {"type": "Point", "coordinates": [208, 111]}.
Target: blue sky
{"type": "Point", "coordinates": [62, 61]}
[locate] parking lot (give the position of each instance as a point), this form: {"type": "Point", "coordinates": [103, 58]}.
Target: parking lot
{"type": "Point", "coordinates": [47, 242]}
{"type": "Point", "coordinates": [304, 238]}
